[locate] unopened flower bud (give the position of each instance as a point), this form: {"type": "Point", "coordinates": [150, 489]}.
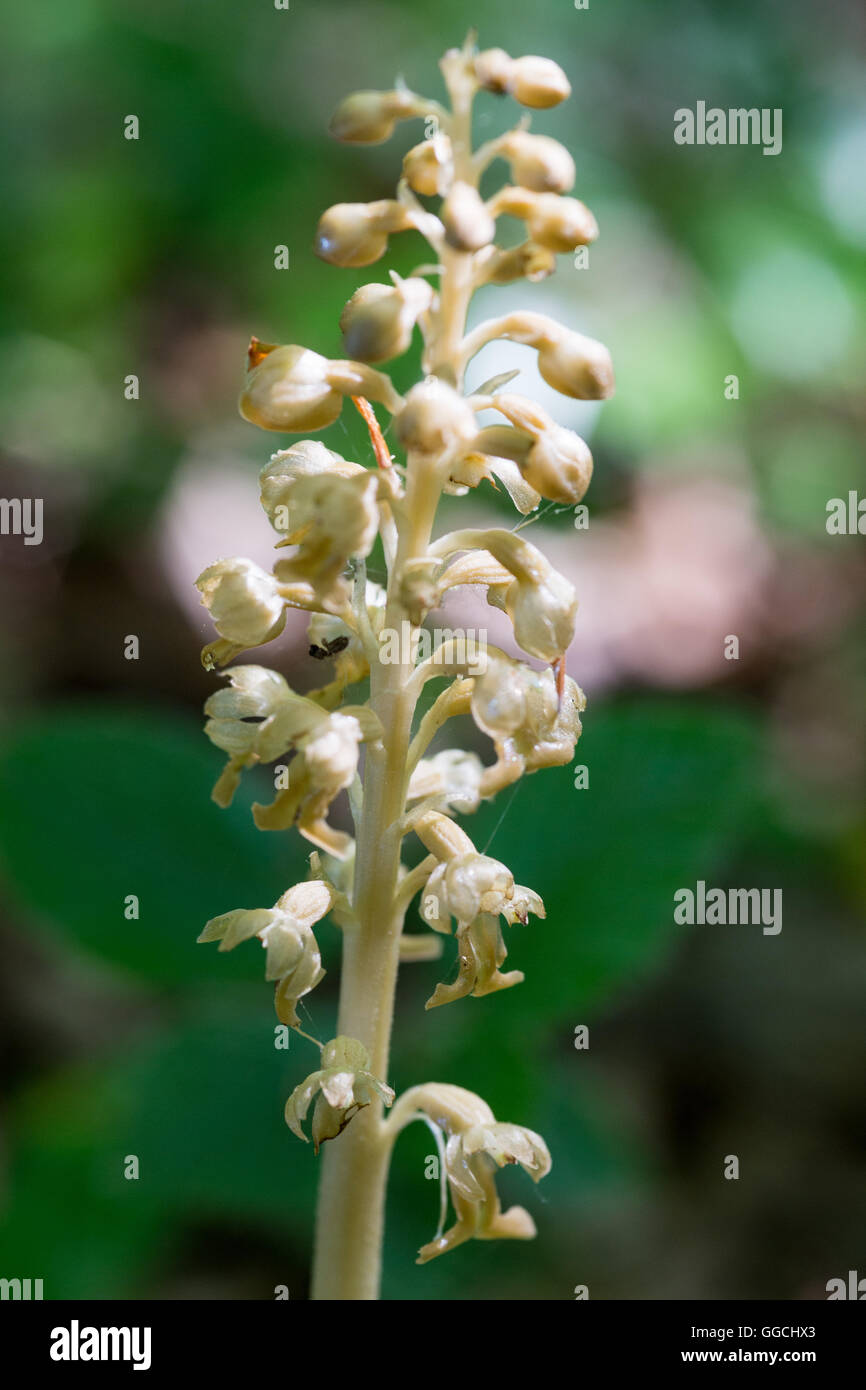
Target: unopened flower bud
{"type": "Point", "coordinates": [558, 464]}
{"type": "Point", "coordinates": [356, 234]}
{"type": "Point", "coordinates": [542, 612]}
{"type": "Point", "coordinates": [368, 118]}
{"type": "Point", "coordinates": [419, 591]}
{"type": "Point", "coordinates": [493, 69]}
{"type": "Point", "coordinates": [524, 262]}
{"type": "Point", "coordinates": [577, 366]}
{"type": "Point", "coordinates": [378, 320]}
{"type": "Point", "coordinates": [435, 419]}
{"type": "Point", "coordinates": [538, 82]}
{"type": "Point", "coordinates": [559, 224]}
{"type": "Point", "coordinates": [538, 162]}
{"type": "Point", "coordinates": [284, 468]}
{"type": "Point", "coordinates": [541, 602]}
{"type": "Point", "coordinates": [289, 390]}
{"type": "Point", "coordinates": [428, 168]}
{"type": "Point", "coordinates": [535, 82]}
{"type": "Point", "coordinates": [296, 390]}
{"type": "Point", "coordinates": [243, 601]}
{"type": "Point", "coordinates": [569, 362]}
{"type": "Point", "coordinates": [468, 224]}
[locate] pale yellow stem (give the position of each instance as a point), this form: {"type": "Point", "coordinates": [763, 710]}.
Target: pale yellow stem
{"type": "Point", "coordinates": [351, 1203]}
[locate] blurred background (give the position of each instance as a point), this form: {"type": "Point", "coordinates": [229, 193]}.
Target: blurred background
{"type": "Point", "coordinates": [156, 258]}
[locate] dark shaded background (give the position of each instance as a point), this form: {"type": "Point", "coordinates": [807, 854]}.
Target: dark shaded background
{"type": "Point", "coordinates": [156, 257]}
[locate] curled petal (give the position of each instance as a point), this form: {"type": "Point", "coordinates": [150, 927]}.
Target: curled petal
{"type": "Point", "coordinates": [493, 452]}
{"type": "Point", "coordinates": [293, 960]}
{"type": "Point", "coordinates": [283, 719]}
{"type": "Point", "coordinates": [324, 765]}
{"type": "Point", "coordinates": [231, 928]}
{"type": "Point", "coordinates": [303, 978]}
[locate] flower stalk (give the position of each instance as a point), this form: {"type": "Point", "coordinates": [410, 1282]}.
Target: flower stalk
{"type": "Point", "coordinates": [328, 512]}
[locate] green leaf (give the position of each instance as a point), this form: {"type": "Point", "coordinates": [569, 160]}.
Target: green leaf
{"type": "Point", "coordinates": [207, 1120]}
{"type": "Point", "coordinates": [201, 1110]}
{"type": "Point", "coordinates": [99, 804]}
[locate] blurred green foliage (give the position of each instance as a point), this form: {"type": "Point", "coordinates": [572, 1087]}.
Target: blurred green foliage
{"type": "Point", "coordinates": [197, 1094]}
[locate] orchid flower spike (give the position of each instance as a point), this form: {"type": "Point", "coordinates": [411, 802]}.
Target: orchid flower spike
{"type": "Point", "coordinates": [352, 724]}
